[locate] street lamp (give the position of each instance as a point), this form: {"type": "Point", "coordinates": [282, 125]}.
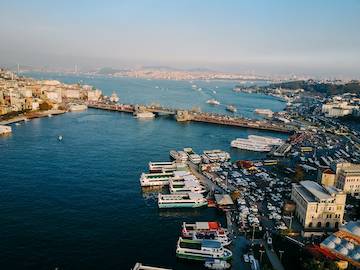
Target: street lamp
{"type": "Point", "coordinates": [281, 253]}
{"type": "Point", "coordinates": [253, 232]}
{"type": "Point", "coordinates": [291, 220]}
{"type": "Point", "coordinates": [261, 251]}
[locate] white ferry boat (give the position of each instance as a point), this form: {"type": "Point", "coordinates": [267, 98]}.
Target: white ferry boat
{"type": "Point", "coordinates": [189, 228]}
{"type": "Point", "coordinates": [78, 107]}
{"type": "Point", "coordinates": [200, 250]}
{"type": "Point", "coordinates": [194, 86]}
{"type": "Point", "coordinates": [174, 155]}
{"type": "Point", "coordinates": [266, 139]}
{"type": "Point", "coordinates": [211, 155]}
{"type": "Point", "coordinates": [193, 157]}
{"type": "Point", "coordinates": [251, 145]}
{"type": "Point", "coordinates": [185, 187]}
{"type": "Point", "coordinates": [213, 102]}
{"type": "Point", "coordinates": [145, 115]}
{"type": "Point", "coordinates": [162, 167]}
{"type": "Point", "coordinates": [218, 236]}
{"type": "Point", "coordinates": [231, 108]}
{"type": "Point", "coordinates": [263, 111]}
{"type": "Point", "coordinates": [183, 156]}
{"type": "Point", "coordinates": [192, 200]}
{"type": "Point", "coordinates": [159, 179]}
{"type": "Point", "coordinates": [5, 129]}
{"type": "Point", "coordinates": [222, 155]}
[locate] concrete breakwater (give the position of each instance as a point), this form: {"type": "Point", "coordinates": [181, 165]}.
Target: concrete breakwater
{"type": "Point", "coordinates": [197, 116]}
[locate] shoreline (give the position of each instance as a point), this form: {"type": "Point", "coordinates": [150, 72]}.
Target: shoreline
{"type": "Point", "coordinates": [32, 115]}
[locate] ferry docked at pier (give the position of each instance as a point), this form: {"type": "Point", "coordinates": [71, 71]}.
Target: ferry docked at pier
{"type": "Point", "coordinates": [159, 179]}
{"type": "Point", "coordinates": [179, 156]}
{"type": "Point", "coordinates": [190, 200]}
{"type": "Point", "coordinates": [185, 187]}
{"type": "Point", "coordinates": [200, 250]}
{"type": "Point", "coordinates": [218, 236]}
{"type": "Point", "coordinates": [213, 102]}
{"type": "Point", "coordinates": [251, 145]}
{"type": "Point", "coordinates": [266, 139]}
{"type": "Point", "coordinates": [193, 157]}
{"type": "Point", "coordinates": [189, 228]}
{"type": "Point", "coordinates": [162, 167]}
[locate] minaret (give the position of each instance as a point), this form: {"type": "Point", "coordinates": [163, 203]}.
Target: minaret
{"type": "Point", "coordinates": [75, 69]}
{"type": "Point", "coordinates": [18, 68]}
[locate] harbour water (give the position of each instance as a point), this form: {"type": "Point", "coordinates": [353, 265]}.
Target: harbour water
{"type": "Point", "coordinates": [77, 203]}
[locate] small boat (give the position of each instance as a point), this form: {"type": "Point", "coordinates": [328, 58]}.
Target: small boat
{"type": "Point", "coordinates": [231, 108]}
{"type": "Point", "coordinates": [50, 115]}
{"type": "Point", "coordinates": [214, 92]}
{"type": "Point", "coordinates": [60, 138]}
{"type": "Point", "coordinates": [213, 102]}
{"type": "Point", "coordinates": [199, 89]}
{"type": "Point", "coordinates": [216, 264]}
{"type": "Point", "coordinates": [145, 115]}
{"type": "Point", "coordinates": [194, 86]}
{"type": "Point", "coordinates": [26, 120]}
{"type": "Point", "coordinates": [17, 124]}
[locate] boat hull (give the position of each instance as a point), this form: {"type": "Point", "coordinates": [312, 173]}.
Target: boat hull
{"type": "Point", "coordinates": [183, 205]}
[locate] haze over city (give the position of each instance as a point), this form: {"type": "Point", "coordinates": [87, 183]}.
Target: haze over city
{"type": "Point", "coordinates": [311, 38]}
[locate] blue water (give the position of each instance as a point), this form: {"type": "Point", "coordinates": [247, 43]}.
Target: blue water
{"type": "Point", "coordinates": [77, 203]}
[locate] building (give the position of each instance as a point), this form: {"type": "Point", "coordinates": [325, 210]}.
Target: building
{"type": "Point", "coordinates": [336, 109]}
{"type": "Point", "coordinates": [114, 98]}
{"type": "Point", "coordinates": [326, 177]}
{"type": "Point", "coordinates": [93, 95]}
{"type": "Point", "coordinates": [348, 178]}
{"type": "Point", "coordinates": [72, 93]}
{"type": "Point", "coordinates": [317, 206]}
{"type": "Point", "coordinates": [345, 243]}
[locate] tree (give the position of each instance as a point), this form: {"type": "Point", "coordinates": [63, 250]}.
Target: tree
{"type": "Point", "coordinates": [299, 174]}
{"type": "Point", "coordinates": [44, 106]}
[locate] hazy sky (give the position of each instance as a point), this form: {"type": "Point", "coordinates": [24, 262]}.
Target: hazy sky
{"type": "Point", "coordinates": [305, 37]}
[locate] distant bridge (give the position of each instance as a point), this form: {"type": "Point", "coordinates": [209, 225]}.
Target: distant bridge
{"type": "Point", "coordinates": [197, 116]}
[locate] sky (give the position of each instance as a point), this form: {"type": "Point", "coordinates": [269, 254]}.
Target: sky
{"type": "Point", "coordinates": [312, 38]}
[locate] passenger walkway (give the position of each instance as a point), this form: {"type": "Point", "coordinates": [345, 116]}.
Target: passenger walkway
{"type": "Point", "coordinates": [271, 254]}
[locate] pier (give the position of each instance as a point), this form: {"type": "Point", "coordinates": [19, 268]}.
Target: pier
{"type": "Point", "coordinates": [197, 116]}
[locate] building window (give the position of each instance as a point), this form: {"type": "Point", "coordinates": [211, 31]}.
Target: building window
{"type": "Point", "coordinates": [310, 224]}
{"type": "Point", "coordinates": [318, 225]}
{"type": "Point", "coordinates": [336, 225]}
{"type": "Point", "coordinates": [327, 225]}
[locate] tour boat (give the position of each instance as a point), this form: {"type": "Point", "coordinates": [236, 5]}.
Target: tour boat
{"type": "Point", "coordinates": [192, 200]}
{"type": "Point", "coordinates": [216, 264]}
{"type": "Point", "coordinates": [251, 145]}
{"type": "Point", "coordinates": [200, 250]}
{"type": "Point", "coordinates": [163, 167]}
{"type": "Point", "coordinates": [189, 228]}
{"type": "Point", "coordinates": [218, 236]}
{"type": "Point", "coordinates": [160, 179]}
{"type": "Point", "coordinates": [17, 124]}
{"type": "Point", "coordinates": [60, 138]}
{"type": "Point", "coordinates": [213, 102]}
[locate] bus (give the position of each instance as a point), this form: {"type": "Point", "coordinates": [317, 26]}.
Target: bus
{"type": "Point", "coordinates": [270, 162]}
{"type": "Point", "coordinates": [306, 149]}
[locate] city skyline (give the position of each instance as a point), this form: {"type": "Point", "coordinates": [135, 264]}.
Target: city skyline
{"type": "Point", "coordinates": [308, 38]}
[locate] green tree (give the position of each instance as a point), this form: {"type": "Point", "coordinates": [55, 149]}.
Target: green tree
{"type": "Point", "coordinates": [44, 106]}
{"type": "Point", "coordinates": [299, 174]}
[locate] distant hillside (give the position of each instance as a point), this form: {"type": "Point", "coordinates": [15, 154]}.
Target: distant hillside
{"type": "Point", "coordinates": [325, 88]}
{"type": "Point", "coordinates": [107, 71]}
{"type": "Point", "coordinates": [161, 68]}
{"type": "Point", "coordinates": [202, 70]}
